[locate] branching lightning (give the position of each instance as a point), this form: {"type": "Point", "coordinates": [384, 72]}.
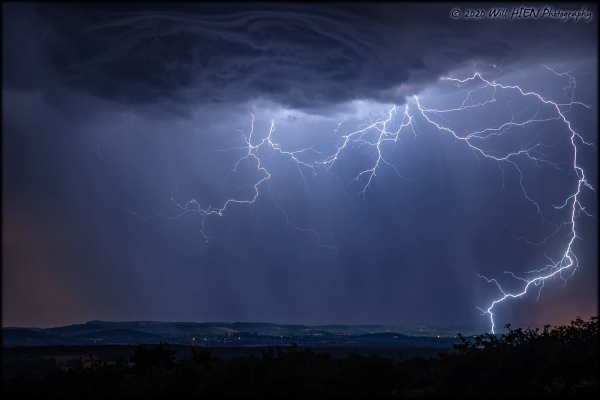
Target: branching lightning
{"type": "Point", "coordinates": [568, 263]}
{"type": "Point", "coordinates": [379, 137]}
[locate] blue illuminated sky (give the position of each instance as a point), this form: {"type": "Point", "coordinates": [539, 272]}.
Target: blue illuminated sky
{"type": "Point", "coordinates": [365, 164]}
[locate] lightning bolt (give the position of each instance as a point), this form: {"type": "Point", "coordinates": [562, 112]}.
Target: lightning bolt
{"type": "Point", "coordinates": [378, 137]}
{"type": "Point", "coordinates": [533, 150]}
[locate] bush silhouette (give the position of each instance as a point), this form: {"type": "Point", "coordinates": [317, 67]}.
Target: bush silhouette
{"type": "Point", "coordinates": [145, 358]}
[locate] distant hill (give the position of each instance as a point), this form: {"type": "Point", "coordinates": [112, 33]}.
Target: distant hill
{"type": "Point", "coordinates": [226, 334]}
{"type": "Point", "coordinates": [384, 335]}
{"type": "Point", "coordinates": [25, 337]}
{"type": "Point", "coordinates": [120, 334]}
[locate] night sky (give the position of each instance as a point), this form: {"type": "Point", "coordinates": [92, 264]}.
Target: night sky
{"type": "Point", "coordinates": [126, 129]}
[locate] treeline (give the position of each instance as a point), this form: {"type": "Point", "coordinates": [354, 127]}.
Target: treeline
{"type": "Point", "coordinates": [554, 362]}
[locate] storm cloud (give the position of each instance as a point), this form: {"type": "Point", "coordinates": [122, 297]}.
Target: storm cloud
{"type": "Point", "coordinates": [304, 57]}
{"type": "Point", "coordinates": [116, 117]}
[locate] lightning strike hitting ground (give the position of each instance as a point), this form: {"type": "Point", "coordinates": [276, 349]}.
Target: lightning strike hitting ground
{"type": "Point", "coordinates": [568, 263]}
{"type": "Point", "coordinates": [380, 136]}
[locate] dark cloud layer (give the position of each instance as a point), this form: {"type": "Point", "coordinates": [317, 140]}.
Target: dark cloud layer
{"type": "Point", "coordinates": [301, 56]}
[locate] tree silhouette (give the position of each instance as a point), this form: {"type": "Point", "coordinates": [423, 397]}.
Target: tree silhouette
{"type": "Point", "coordinates": [145, 358]}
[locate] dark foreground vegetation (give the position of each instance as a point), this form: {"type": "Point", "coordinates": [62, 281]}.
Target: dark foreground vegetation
{"type": "Point", "coordinates": [555, 362]}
